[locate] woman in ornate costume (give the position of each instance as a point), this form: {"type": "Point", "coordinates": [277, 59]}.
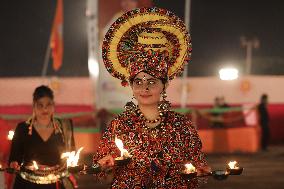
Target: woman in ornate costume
{"type": "Point", "coordinates": [146, 48]}
{"type": "Point", "coordinates": [41, 140]}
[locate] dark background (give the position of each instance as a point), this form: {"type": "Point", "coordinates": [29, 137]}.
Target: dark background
{"type": "Point", "coordinates": [215, 27]}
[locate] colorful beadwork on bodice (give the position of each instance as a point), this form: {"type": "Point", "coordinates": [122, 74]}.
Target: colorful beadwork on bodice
{"type": "Point", "coordinates": [158, 154]}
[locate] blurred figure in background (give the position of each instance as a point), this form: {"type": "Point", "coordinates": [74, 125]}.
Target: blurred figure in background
{"type": "Point", "coordinates": [264, 121]}
{"type": "Point", "coordinates": [217, 121]}
{"type": "Point", "coordinates": [222, 102]}
{"type": "Point", "coordinates": [219, 108]}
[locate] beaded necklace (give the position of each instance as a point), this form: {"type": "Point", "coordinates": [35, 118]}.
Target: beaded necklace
{"type": "Point", "coordinates": [49, 125]}
{"type": "Point", "coordinates": [141, 115]}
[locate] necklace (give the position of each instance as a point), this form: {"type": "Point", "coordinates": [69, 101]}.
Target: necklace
{"type": "Point", "coordinates": [141, 115]}
{"type": "Point", "coordinates": [43, 126]}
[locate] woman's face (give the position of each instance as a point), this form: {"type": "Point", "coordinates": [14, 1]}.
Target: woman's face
{"type": "Point", "coordinates": [44, 108]}
{"type": "Point", "coordinates": [147, 89]}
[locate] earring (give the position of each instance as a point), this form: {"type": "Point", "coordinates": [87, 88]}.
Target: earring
{"type": "Point", "coordinates": [133, 97]}
{"type": "Point", "coordinates": [130, 106]}
{"type": "Point", "coordinates": [54, 123]}
{"type": "Point", "coordinates": [164, 105]}
{"type": "Point", "coordinates": [164, 95]}
{"type": "Point", "coordinates": [32, 121]}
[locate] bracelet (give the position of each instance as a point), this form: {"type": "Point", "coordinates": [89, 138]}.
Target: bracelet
{"type": "Point", "coordinates": [94, 169]}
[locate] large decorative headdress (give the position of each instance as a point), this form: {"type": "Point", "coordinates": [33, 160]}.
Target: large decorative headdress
{"type": "Point", "coordinates": [152, 40]}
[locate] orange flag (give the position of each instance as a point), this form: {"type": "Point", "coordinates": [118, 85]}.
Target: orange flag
{"type": "Point", "coordinates": [56, 43]}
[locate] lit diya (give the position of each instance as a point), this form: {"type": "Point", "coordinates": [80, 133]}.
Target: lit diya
{"type": "Point", "coordinates": [10, 135]}
{"type": "Point", "coordinates": [8, 169]}
{"type": "Point", "coordinates": [234, 169]}
{"type": "Point", "coordinates": [189, 171]}
{"type": "Point", "coordinates": [30, 168]}
{"type": "Point", "coordinates": [1, 168]}
{"type": "Point", "coordinates": [220, 174]}
{"type": "Point", "coordinates": [72, 161]}
{"type": "Point", "coordinates": [42, 174]}
{"type": "Point", "coordinates": [125, 157]}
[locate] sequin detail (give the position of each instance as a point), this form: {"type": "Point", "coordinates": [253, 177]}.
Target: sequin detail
{"type": "Point", "coordinates": [158, 154]}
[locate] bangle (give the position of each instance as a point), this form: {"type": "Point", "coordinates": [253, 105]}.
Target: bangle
{"type": "Point", "coordinates": [94, 169]}
{"type": "Point", "coordinates": [95, 165]}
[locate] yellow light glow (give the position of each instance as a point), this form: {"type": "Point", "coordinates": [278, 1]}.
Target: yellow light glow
{"type": "Point", "coordinates": [228, 73]}
{"type": "Point", "coordinates": [93, 67]}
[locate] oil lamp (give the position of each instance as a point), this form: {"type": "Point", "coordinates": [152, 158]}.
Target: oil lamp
{"type": "Point", "coordinates": [72, 161]}
{"type": "Point", "coordinates": [234, 169]}
{"type": "Point", "coordinates": [189, 171]}
{"type": "Point", "coordinates": [125, 157]}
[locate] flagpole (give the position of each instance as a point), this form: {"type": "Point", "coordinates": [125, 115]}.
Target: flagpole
{"type": "Point", "coordinates": [185, 72]}
{"type": "Point", "coordinates": [92, 14]}
{"type": "Point", "coordinates": [57, 19]}
{"type": "Point", "coordinates": [46, 57]}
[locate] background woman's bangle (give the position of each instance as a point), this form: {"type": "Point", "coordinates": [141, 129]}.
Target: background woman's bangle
{"type": "Point", "coordinates": [94, 169]}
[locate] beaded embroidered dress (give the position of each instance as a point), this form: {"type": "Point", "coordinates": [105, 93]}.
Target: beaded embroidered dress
{"type": "Point", "coordinates": [154, 41]}
{"type": "Point", "coordinates": [158, 154]}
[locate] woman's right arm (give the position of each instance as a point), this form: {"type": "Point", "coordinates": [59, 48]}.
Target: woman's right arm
{"type": "Point", "coordinates": [17, 147]}
{"type": "Point", "coordinates": [107, 150]}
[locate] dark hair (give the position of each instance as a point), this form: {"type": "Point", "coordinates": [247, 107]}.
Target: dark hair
{"type": "Point", "coordinates": [42, 91]}
{"type": "Point", "coordinates": [263, 97]}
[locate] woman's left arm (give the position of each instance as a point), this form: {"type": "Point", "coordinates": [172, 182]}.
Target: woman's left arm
{"type": "Point", "coordinates": [107, 149]}
{"type": "Point", "coordinates": [193, 149]}
{"type": "Point", "coordinates": [17, 146]}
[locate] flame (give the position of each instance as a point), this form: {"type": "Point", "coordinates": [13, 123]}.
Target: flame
{"type": "Point", "coordinates": [10, 135]}
{"type": "Point", "coordinates": [119, 144]}
{"type": "Point", "coordinates": [233, 165]}
{"type": "Point", "coordinates": [0, 166]}
{"type": "Point", "coordinates": [189, 168]}
{"type": "Point", "coordinates": [35, 165]}
{"type": "Point", "coordinates": [72, 157]}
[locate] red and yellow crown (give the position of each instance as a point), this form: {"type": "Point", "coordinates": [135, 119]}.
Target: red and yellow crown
{"type": "Point", "coordinates": [152, 40]}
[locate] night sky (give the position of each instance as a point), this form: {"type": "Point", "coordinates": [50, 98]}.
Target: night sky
{"type": "Point", "coordinates": [216, 27]}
